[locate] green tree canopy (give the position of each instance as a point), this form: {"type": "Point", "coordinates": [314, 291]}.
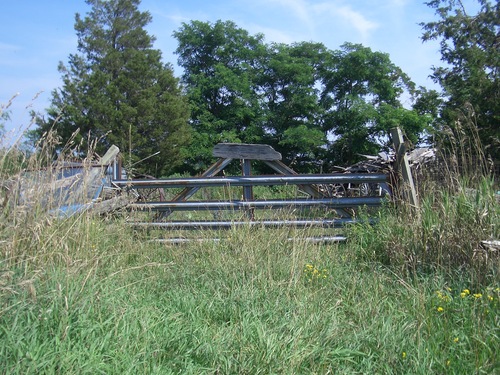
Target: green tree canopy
{"type": "Point", "coordinates": [469, 44]}
{"type": "Point", "coordinates": [218, 61]}
{"type": "Point", "coordinates": [306, 101]}
{"type": "Point", "coordinates": [117, 90]}
{"type": "Point", "coordinates": [289, 98]}
{"type": "Point", "coordinates": [361, 98]}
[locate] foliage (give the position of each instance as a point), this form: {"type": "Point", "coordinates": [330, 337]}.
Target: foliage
{"type": "Point", "coordinates": [469, 45]}
{"type": "Point", "coordinates": [306, 101]}
{"type": "Point", "coordinates": [433, 238]}
{"type": "Point", "coordinates": [217, 61]}
{"type": "Point", "coordinates": [88, 294]}
{"type": "Point", "coordinates": [361, 98]}
{"type": "Point", "coordinates": [117, 90]}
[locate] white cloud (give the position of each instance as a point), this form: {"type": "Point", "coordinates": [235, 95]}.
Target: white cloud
{"type": "Point", "coordinates": [271, 34]}
{"type": "Point", "coordinates": [294, 13]}
{"type": "Point", "coordinates": [313, 16]}
{"type": "Point", "coordinates": [351, 17]}
{"type": "Point", "coordinates": [175, 18]}
{"type": "Point", "coordinates": [299, 8]}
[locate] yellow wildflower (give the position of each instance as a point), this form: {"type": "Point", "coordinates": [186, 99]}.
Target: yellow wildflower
{"type": "Point", "coordinates": [403, 355]}
{"type": "Point", "coordinates": [440, 309]}
{"type": "Point", "coordinates": [490, 298]}
{"type": "Point", "coordinates": [477, 295]}
{"type": "Point", "coordinates": [455, 339]}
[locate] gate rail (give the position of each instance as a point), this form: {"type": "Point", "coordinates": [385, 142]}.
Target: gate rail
{"type": "Point", "coordinates": [308, 183]}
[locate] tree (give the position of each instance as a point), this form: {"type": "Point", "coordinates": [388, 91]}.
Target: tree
{"type": "Point", "coordinates": [313, 105]}
{"type": "Point", "coordinates": [469, 45]}
{"type": "Point", "coordinates": [219, 66]}
{"type": "Point", "coordinates": [118, 91]}
{"type": "Point", "coordinates": [361, 98]}
{"type": "Point", "coordinates": [290, 102]}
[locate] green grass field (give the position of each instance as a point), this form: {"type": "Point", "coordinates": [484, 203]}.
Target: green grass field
{"type": "Point", "coordinates": [414, 294]}
{"type": "Point", "coordinates": [90, 295]}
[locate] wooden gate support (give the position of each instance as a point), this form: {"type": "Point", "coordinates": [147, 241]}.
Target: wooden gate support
{"type": "Point", "coordinates": [403, 167]}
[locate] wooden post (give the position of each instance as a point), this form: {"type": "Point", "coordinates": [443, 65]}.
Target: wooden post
{"type": "Point", "coordinates": [403, 167]}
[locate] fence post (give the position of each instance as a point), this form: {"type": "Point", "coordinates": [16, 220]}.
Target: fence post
{"type": "Point", "coordinates": [403, 167]}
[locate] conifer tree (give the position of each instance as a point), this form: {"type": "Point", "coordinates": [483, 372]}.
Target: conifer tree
{"type": "Point", "coordinates": [117, 90]}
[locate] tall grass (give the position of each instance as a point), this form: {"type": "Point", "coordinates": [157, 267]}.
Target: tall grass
{"type": "Point", "coordinates": [412, 295]}
{"type": "Point", "coordinates": [444, 235]}
{"type": "Point", "coordinates": [459, 209]}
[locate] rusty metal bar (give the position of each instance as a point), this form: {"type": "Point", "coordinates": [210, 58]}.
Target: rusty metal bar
{"type": "Point", "coordinates": [267, 204]}
{"type": "Point", "coordinates": [198, 182]}
{"type": "Point", "coordinates": [179, 241]}
{"type": "Point", "coordinates": [215, 225]}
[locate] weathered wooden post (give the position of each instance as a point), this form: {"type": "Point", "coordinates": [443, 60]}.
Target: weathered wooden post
{"type": "Point", "coordinates": [403, 168]}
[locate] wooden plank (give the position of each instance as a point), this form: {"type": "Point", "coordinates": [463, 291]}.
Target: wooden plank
{"type": "Point", "coordinates": [110, 155]}
{"type": "Point", "coordinates": [113, 204]}
{"type": "Point", "coordinates": [245, 151]}
{"type": "Point", "coordinates": [403, 167]}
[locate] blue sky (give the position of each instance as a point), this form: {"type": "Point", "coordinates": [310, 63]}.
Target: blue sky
{"type": "Point", "coordinates": [35, 35]}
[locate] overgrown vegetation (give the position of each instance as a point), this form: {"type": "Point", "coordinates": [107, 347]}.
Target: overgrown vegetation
{"type": "Point", "coordinates": [470, 79]}
{"type": "Point", "coordinates": [410, 295]}
{"type": "Point", "coordinates": [416, 293]}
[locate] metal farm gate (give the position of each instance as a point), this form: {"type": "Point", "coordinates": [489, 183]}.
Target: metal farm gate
{"type": "Point", "coordinates": [314, 196]}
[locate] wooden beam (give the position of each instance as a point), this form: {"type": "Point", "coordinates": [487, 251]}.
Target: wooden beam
{"type": "Point", "coordinates": [403, 167]}
{"type": "Point", "coordinates": [245, 151]}
{"type": "Point", "coordinates": [110, 155]}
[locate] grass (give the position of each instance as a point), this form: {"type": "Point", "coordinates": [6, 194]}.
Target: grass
{"type": "Point", "coordinates": [412, 295]}
{"type": "Point", "coordinates": [94, 297]}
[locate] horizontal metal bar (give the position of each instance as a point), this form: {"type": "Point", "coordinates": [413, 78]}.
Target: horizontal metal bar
{"type": "Point", "coordinates": [188, 225]}
{"type": "Point", "coordinates": [341, 178]}
{"type": "Point", "coordinates": [178, 241]}
{"type": "Point", "coordinates": [267, 204]}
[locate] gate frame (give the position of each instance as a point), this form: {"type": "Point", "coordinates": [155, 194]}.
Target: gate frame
{"type": "Point", "coordinates": [247, 153]}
